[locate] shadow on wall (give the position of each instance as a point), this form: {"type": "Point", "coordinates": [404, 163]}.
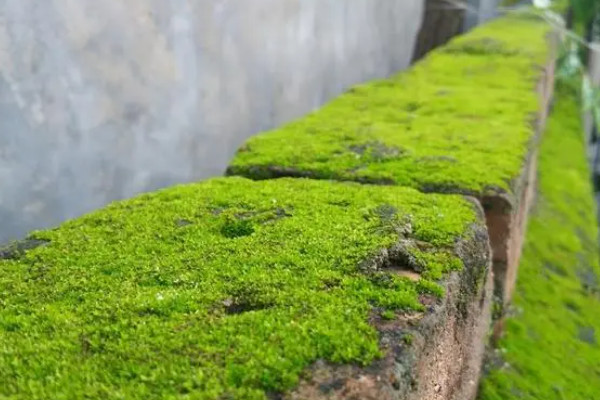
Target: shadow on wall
{"type": "Point", "coordinates": [444, 19]}
{"type": "Point", "coordinates": [441, 22]}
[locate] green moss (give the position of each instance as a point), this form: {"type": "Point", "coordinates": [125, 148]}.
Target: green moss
{"type": "Point", "coordinates": [550, 348]}
{"type": "Point", "coordinates": [388, 315]}
{"type": "Point", "coordinates": [522, 34]}
{"type": "Point", "coordinates": [224, 289]}
{"type": "Point", "coordinates": [459, 121]}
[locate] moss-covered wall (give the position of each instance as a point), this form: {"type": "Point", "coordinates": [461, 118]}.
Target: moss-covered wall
{"type": "Point", "coordinates": [224, 288]}
{"type": "Point", "coordinates": [232, 288]}
{"type": "Point", "coordinates": [460, 121]}
{"type": "Point", "coordinates": [551, 349]}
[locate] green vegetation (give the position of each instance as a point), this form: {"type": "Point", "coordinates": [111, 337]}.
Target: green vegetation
{"type": "Point", "coordinates": [551, 348]}
{"type": "Point", "coordinates": [220, 290]}
{"type": "Point", "coordinates": [585, 11]}
{"type": "Point", "coordinates": [459, 121]}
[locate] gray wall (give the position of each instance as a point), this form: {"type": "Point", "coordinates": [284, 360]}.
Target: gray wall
{"type": "Point", "coordinates": [103, 99]}
{"type": "Point", "coordinates": [479, 11]}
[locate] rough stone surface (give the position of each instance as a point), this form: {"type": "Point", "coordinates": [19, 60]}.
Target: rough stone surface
{"type": "Point", "coordinates": [435, 355]}
{"type": "Point", "coordinates": [507, 216]}
{"type": "Point", "coordinates": [102, 99]}
{"type": "Point", "coordinates": [18, 248]}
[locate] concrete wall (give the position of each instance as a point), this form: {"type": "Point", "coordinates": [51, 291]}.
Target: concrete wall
{"type": "Point", "coordinates": [479, 11]}
{"type": "Point", "coordinates": [102, 99]}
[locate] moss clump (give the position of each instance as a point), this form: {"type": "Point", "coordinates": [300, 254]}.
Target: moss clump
{"type": "Point", "coordinates": [550, 350]}
{"type": "Point", "coordinates": [225, 289]}
{"type": "Point", "coordinates": [459, 121]}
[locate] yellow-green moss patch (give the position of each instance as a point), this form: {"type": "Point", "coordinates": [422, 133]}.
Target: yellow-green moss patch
{"type": "Point", "coordinates": [520, 33]}
{"type": "Point", "coordinates": [224, 289]}
{"type": "Point", "coordinates": [551, 348]}
{"type": "Point", "coordinates": [460, 121]}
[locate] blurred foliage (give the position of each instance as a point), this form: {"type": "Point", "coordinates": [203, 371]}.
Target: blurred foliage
{"type": "Point", "coordinates": [585, 11]}
{"type": "Point", "coordinates": [583, 20]}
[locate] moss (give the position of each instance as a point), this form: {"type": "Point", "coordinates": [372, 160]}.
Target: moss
{"type": "Point", "coordinates": [550, 348]}
{"type": "Point", "coordinates": [522, 34]}
{"type": "Point", "coordinates": [388, 315]}
{"type": "Point", "coordinates": [459, 121]}
{"type": "Point", "coordinates": [224, 289]}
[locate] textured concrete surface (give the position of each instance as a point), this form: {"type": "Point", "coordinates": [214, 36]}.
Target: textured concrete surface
{"type": "Point", "coordinates": [479, 11]}
{"type": "Point", "coordinates": [102, 99]}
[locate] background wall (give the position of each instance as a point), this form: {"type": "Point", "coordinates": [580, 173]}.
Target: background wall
{"type": "Point", "coordinates": [479, 11]}
{"type": "Point", "coordinates": [102, 99]}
